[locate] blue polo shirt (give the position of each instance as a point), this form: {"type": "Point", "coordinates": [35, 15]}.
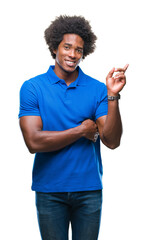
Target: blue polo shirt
{"type": "Point", "coordinates": [78, 166]}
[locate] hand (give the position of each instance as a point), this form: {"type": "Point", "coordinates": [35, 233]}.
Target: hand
{"type": "Point", "coordinates": [90, 130]}
{"type": "Point", "coordinates": [115, 84]}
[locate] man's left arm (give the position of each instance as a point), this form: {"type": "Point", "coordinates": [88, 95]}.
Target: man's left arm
{"type": "Point", "coordinates": [110, 126]}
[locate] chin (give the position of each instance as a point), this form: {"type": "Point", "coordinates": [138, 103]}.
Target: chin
{"type": "Point", "coordinates": [68, 69]}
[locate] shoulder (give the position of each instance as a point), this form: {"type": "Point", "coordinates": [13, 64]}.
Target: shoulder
{"type": "Point", "coordinates": [95, 85]}
{"type": "Point", "coordinates": [94, 81]}
{"type": "Point", "coordinates": [34, 82]}
{"type": "Point", "coordinates": [91, 81]}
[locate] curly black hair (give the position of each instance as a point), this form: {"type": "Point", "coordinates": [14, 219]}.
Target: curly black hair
{"type": "Point", "coordinates": [70, 24]}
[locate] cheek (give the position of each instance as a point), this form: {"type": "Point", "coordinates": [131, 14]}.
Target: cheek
{"type": "Point", "coordinates": [58, 59]}
{"type": "Point", "coordinates": [59, 56]}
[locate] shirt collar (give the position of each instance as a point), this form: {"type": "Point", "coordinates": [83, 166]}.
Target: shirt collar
{"type": "Point", "coordinates": [53, 78]}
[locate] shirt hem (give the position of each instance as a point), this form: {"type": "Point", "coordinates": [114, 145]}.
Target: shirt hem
{"type": "Point", "coordinates": [40, 189]}
{"type": "Point", "coordinates": [28, 114]}
{"type": "Point", "coordinates": [100, 115]}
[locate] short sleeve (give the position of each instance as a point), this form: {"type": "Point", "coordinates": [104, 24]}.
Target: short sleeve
{"type": "Point", "coordinates": [102, 103]}
{"type": "Point", "coordinates": [28, 101]}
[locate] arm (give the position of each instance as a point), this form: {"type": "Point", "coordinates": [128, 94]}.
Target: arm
{"type": "Point", "coordinates": [110, 126]}
{"type": "Point", "coordinates": [48, 141]}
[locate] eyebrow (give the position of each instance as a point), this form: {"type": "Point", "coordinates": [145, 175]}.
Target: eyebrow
{"type": "Point", "coordinates": [71, 45]}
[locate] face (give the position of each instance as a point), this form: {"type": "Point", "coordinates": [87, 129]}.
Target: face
{"type": "Point", "coordinates": [69, 53]}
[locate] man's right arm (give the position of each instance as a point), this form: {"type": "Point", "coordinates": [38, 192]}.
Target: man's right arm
{"type": "Point", "coordinates": [48, 141]}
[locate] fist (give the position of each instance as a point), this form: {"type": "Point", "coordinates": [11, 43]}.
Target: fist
{"type": "Point", "coordinates": [90, 130]}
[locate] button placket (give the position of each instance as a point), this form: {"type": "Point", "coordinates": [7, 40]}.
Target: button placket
{"type": "Point", "coordinates": [67, 95]}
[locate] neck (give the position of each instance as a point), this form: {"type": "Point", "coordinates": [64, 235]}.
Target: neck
{"type": "Point", "coordinates": [68, 77]}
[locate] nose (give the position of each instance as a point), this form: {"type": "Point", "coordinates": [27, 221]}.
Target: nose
{"type": "Point", "coordinates": [72, 53]}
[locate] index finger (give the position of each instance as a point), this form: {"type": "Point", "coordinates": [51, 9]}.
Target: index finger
{"type": "Point", "coordinates": [122, 69]}
{"type": "Point", "coordinates": [126, 66]}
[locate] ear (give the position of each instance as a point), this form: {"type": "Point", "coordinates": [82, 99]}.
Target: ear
{"type": "Point", "coordinates": [55, 51]}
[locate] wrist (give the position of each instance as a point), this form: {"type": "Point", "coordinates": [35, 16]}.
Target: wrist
{"type": "Point", "coordinates": [81, 130]}
{"type": "Point", "coordinates": [112, 98]}
{"type": "Point", "coordinates": [112, 93]}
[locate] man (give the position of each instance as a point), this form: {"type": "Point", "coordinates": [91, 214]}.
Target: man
{"type": "Point", "coordinates": [64, 114]}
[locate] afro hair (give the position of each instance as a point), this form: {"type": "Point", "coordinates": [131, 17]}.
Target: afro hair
{"type": "Point", "coordinates": [70, 24]}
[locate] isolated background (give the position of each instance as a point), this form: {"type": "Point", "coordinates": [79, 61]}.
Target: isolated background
{"type": "Point", "coordinates": [121, 30]}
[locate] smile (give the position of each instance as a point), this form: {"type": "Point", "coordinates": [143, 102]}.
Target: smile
{"type": "Point", "coordinates": [70, 63]}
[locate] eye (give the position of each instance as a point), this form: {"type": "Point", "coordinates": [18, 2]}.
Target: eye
{"type": "Point", "coordinates": [80, 51]}
{"type": "Point", "coordinates": [66, 47]}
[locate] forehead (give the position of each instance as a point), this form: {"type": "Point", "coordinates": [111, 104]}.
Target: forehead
{"type": "Point", "coordinates": [73, 39]}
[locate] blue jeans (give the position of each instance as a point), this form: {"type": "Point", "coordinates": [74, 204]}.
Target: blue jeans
{"type": "Point", "coordinates": [56, 210]}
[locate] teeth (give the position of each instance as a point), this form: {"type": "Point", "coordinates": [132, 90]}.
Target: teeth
{"type": "Point", "coordinates": [69, 61]}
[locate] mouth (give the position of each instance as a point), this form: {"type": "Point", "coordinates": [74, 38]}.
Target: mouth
{"type": "Point", "coordinates": [70, 63]}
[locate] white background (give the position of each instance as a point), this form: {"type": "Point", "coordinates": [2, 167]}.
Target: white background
{"type": "Point", "coordinates": [121, 30]}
